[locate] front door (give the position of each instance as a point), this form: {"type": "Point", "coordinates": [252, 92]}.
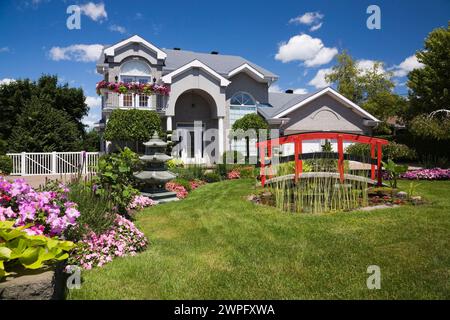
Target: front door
{"type": "Point", "coordinates": [191, 147]}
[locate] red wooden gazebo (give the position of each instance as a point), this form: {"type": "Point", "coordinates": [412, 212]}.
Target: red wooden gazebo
{"type": "Point", "coordinates": [297, 139]}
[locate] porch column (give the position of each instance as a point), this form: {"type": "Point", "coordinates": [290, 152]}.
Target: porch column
{"type": "Point", "coordinates": [169, 123]}
{"type": "Point", "coordinates": [220, 129]}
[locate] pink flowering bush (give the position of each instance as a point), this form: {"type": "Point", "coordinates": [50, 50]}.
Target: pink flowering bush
{"type": "Point", "coordinates": [140, 202]}
{"type": "Point", "coordinates": [427, 174]}
{"type": "Point", "coordinates": [121, 240]}
{"type": "Point", "coordinates": [233, 174]}
{"type": "Point", "coordinates": [194, 184]}
{"type": "Point", "coordinates": [178, 189]}
{"type": "Point", "coordinates": [49, 212]}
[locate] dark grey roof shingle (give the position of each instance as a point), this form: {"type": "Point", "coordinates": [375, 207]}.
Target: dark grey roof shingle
{"type": "Point", "coordinates": [220, 63]}
{"type": "Point", "coordinates": [280, 101]}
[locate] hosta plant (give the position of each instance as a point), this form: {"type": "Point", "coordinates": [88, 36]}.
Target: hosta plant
{"type": "Point", "coordinates": [394, 171]}
{"type": "Point", "coordinates": [19, 248]}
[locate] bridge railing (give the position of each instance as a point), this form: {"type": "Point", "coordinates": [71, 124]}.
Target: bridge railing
{"type": "Point", "coordinates": [266, 152]}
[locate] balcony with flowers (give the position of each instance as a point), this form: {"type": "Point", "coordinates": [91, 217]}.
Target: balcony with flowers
{"type": "Point", "coordinates": [128, 95]}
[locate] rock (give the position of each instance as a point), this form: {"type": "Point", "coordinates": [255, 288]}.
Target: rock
{"type": "Point", "coordinates": [416, 199]}
{"type": "Point", "coordinates": [251, 197]}
{"type": "Point", "coordinates": [402, 195]}
{"type": "Point", "coordinates": [43, 284]}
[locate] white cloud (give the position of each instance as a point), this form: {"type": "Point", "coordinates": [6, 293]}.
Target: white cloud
{"type": "Point", "coordinates": [117, 28]}
{"type": "Point", "coordinates": [319, 79]}
{"type": "Point", "coordinates": [77, 52]}
{"type": "Point", "coordinates": [406, 66]}
{"type": "Point", "coordinates": [366, 65]}
{"type": "Point", "coordinates": [300, 91]}
{"type": "Point", "coordinates": [94, 104]}
{"type": "Point", "coordinates": [307, 49]}
{"type": "Point", "coordinates": [275, 88]}
{"type": "Point", "coordinates": [94, 11]}
{"type": "Point", "coordinates": [308, 18]}
{"type": "Point", "coordinates": [316, 27]}
{"type": "Point", "coordinates": [4, 49]}
{"type": "Point", "coordinates": [6, 81]}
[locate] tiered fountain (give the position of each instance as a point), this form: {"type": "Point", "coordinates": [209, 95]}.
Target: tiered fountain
{"type": "Point", "coordinates": [155, 173]}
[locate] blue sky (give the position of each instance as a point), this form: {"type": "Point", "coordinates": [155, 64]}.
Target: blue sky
{"type": "Point", "coordinates": [297, 40]}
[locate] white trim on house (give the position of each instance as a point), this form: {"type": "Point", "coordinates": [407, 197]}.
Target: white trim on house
{"type": "Point", "coordinates": [255, 74]}
{"type": "Point", "coordinates": [333, 92]}
{"type": "Point", "coordinates": [159, 53]}
{"type": "Point", "coordinates": [195, 64]}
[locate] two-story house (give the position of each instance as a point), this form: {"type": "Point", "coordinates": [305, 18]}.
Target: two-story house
{"type": "Point", "coordinates": [211, 90]}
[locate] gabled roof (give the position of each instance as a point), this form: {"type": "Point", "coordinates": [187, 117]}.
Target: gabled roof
{"type": "Point", "coordinates": [248, 69]}
{"type": "Point", "coordinates": [222, 64]}
{"type": "Point", "coordinates": [195, 64]}
{"type": "Point", "coordinates": [160, 54]}
{"type": "Point", "coordinates": [282, 104]}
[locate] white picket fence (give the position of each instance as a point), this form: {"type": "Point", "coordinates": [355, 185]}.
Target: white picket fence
{"type": "Point", "coordinates": [48, 163]}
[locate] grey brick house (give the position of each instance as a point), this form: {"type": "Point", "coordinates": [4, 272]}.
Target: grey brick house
{"type": "Point", "coordinates": [212, 90]}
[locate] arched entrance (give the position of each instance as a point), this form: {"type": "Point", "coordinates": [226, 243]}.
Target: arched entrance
{"type": "Point", "coordinates": [195, 112]}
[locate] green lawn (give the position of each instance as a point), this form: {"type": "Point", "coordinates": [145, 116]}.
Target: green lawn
{"type": "Point", "coordinates": [217, 245]}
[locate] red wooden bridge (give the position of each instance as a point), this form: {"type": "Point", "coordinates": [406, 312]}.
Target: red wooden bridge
{"type": "Point", "coordinates": [266, 152]}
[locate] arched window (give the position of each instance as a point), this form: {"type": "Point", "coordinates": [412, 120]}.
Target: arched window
{"type": "Point", "coordinates": [241, 104]}
{"type": "Point", "coordinates": [242, 99]}
{"type": "Point", "coordinates": [135, 71]}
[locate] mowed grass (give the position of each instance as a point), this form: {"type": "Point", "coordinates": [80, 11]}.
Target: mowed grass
{"type": "Point", "coordinates": [217, 245]}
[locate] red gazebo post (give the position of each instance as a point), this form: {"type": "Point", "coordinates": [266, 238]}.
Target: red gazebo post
{"type": "Point", "coordinates": [269, 155]}
{"type": "Point", "coordinates": [379, 157]}
{"type": "Point", "coordinates": [296, 153]}
{"type": "Point", "coordinates": [341, 157]}
{"type": "Point", "coordinates": [262, 153]}
{"type": "Point", "coordinates": [372, 157]}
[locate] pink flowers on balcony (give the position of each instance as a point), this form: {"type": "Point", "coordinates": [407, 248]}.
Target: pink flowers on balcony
{"type": "Point", "coordinates": [133, 87]}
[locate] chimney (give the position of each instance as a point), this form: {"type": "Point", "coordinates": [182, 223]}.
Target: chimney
{"type": "Point", "coordinates": [290, 91]}
{"type": "Point", "coordinates": [214, 52]}
{"type": "Point", "coordinates": [178, 49]}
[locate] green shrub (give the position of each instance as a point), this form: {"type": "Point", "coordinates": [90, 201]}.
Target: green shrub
{"type": "Point", "coordinates": [247, 172]}
{"type": "Point", "coordinates": [6, 165]}
{"type": "Point", "coordinates": [393, 150]}
{"type": "Point", "coordinates": [133, 126]}
{"type": "Point", "coordinates": [175, 163]}
{"type": "Point", "coordinates": [189, 172]}
{"type": "Point", "coordinates": [233, 157]}
{"type": "Point", "coordinates": [28, 251]}
{"type": "Point", "coordinates": [96, 211]}
{"type": "Point", "coordinates": [114, 179]}
{"type": "Point", "coordinates": [289, 168]}
{"type": "Point", "coordinates": [211, 177]}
